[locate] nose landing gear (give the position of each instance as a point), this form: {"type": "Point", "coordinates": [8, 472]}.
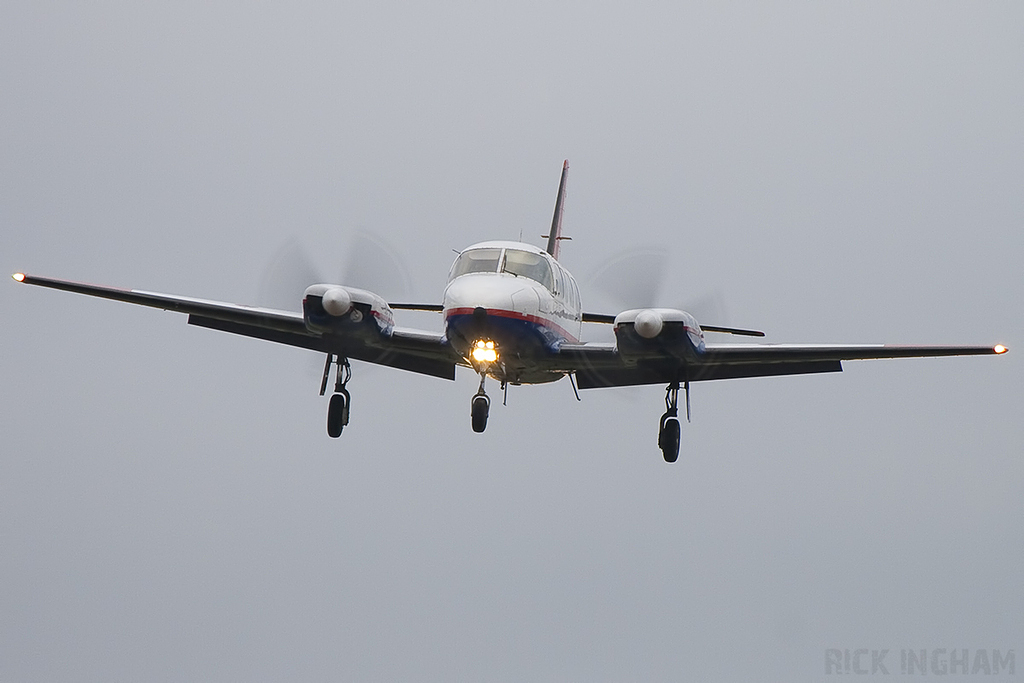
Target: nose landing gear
{"type": "Point", "coordinates": [668, 427]}
{"type": "Point", "coordinates": [341, 401]}
{"type": "Point", "coordinates": [481, 407]}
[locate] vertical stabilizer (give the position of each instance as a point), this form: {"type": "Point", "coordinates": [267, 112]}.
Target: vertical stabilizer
{"type": "Point", "coordinates": [555, 235]}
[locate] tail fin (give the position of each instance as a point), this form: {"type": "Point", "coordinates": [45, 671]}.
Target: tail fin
{"type": "Point", "coordinates": [555, 235]}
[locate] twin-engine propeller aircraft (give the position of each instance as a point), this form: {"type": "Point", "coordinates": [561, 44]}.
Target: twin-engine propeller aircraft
{"type": "Point", "coordinates": [512, 313]}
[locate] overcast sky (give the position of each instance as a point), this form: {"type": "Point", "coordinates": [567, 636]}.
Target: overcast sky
{"type": "Point", "coordinates": [171, 507]}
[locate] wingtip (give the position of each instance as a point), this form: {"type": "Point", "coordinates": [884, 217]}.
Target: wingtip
{"type": "Point", "coordinates": [19, 277]}
{"type": "Point", "coordinates": [565, 164]}
{"type": "Point", "coordinates": [999, 348]}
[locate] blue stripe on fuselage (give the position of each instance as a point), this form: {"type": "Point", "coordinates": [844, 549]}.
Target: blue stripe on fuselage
{"type": "Point", "coordinates": [512, 334]}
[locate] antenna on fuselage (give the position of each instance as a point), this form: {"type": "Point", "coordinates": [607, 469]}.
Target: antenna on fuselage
{"type": "Point", "coordinates": [555, 235]}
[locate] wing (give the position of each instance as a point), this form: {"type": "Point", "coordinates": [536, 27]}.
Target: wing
{"type": "Point", "coordinates": [601, 365]}
{"type": "Point", "coordinates": [414, 350]}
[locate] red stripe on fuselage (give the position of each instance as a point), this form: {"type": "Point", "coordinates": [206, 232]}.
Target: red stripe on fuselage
{"type": "Point", "coordinates": [516, 315]}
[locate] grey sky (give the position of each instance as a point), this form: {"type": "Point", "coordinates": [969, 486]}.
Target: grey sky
{"type": "Point", "coordinates": [171, 508]}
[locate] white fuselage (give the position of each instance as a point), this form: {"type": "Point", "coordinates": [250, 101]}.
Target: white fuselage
{"type": "Point", "coordinates": [518, 297]}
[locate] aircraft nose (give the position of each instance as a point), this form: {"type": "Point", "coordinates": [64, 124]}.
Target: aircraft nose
{"type": "Point", "coordinates": [487, 291]}
{"type": "Point", "coordinates": [488, 306]}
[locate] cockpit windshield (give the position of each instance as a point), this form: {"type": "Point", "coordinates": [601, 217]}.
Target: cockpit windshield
{"type": "Point", "coordinates": [476, 261]}
{"type": "Point", "coordinates": [514, 262]}
{"type": "Point", "coordinates": [526, 264]}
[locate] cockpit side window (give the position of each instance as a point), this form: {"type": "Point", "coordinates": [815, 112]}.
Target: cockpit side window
{"type": "Point", "coordinates": [476, 261]}
{"type": "Point", "coordinates": [526, 264]}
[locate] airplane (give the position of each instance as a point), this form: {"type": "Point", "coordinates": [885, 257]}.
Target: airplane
{"type": "Point", "coordinates": [513, 313]}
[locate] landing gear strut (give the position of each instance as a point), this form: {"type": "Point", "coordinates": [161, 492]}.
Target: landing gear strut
{"type": "Point", "coordinates": [338, 409]}
{"type": "Point", "coordinates": [481, 407]}
{"type": "Point", "coordinates": [668, 428]}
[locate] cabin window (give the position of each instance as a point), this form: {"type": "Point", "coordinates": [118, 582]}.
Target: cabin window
{"type": "Point", "coordinates": [527, 264]}
{"type": "Point", "coordinates": [476, 261]}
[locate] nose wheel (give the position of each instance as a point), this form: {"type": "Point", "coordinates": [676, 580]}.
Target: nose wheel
{"type": "Point", "coordinates": [668, 427]}
{"type": "Point", "coordinates": [481, 406]}
{"type": "Point", "coordinates": [341, 401]}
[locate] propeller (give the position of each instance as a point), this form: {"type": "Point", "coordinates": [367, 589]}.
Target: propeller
{"type": "Point", "coordinates": [636, 279]}
{"type": "Point", "coordinates": [629, 279]}
{"type": "Point", "coordinates": [287, 274]}
{"type": "Point", "coordinates": [375, 265]}
{"type": "Point", "coordinates": [370, 263]}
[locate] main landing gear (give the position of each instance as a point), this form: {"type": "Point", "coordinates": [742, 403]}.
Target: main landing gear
{"type": "Point", "coordinates": [668, 428]}
{"type": "Point", "coordinates": [338, 409]}
{"type": "Point", "coordinates": [481, 407]}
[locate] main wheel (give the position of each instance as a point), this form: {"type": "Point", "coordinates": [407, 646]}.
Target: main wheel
{"type": "Point", "coordinates": [668, 439]}
{"type": "Point", "coordinates": [337, 414]}
{"type": "Point", "coordinates": [481, 406]}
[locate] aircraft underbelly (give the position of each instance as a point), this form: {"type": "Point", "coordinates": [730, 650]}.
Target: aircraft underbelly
{"type": "Point", "coordinates": [523, 342]}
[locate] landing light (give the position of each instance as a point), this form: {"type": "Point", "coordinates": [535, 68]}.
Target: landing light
{"type": "Point", "coordinates": [999, 348]}
{"type": "Point", "coordinates": [20, 277]}
{"type": "Point", "coordinates": [484, 352]}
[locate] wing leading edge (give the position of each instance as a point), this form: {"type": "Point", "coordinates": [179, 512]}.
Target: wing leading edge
{"type": "Point", "coordinates": [414, 350]}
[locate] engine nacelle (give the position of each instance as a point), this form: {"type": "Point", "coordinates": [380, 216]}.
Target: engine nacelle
{"type": "Point", "coordinates": [672, 331]}
{"type": "Point", "coordinates": [336, 308]}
